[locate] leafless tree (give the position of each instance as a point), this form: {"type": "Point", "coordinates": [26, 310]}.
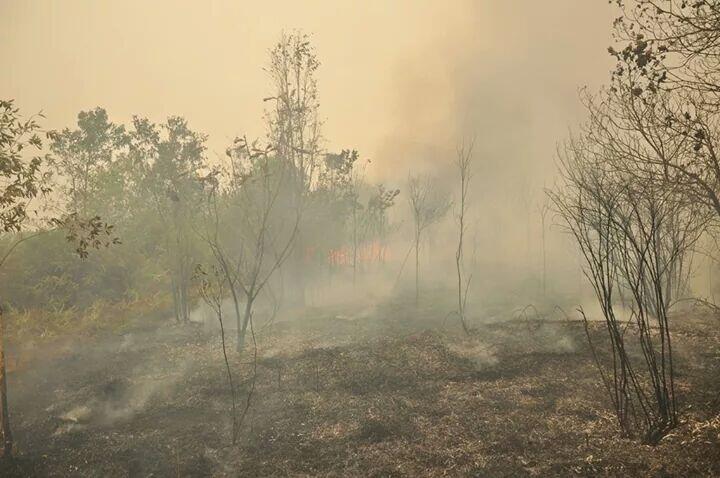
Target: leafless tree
{"type": "Point", "coordinates": [543, 210]}
{"type": "Point", "coordinates": [262, 237]}
{"type": "Point", "coordinates": [463, 163]}
{"type": "Point", "coordinates": [635, 237]}
{"type": "Point", "coordinates": [428, 206]}
{"type": "Point", "coordinates": [666, 90]}
{"type": "Point", "coordinates": [212, 290]}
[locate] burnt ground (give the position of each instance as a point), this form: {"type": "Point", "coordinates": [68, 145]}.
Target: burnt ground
{"type": "Point", "coordinates": [390, 391]}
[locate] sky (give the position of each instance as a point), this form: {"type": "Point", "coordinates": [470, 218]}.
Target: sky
{"type": "Point", "coordinates": [401, 81]}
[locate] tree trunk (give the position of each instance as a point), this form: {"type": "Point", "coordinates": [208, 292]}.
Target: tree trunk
{"type": "Point", "coordinates": [544, 265]}
{"type": "Point", "coordinates": [417, 270]}
{"type": "Point", "coordinates": [458, 265]}
{"type": "Point", "coordinates": [176, 299]}
{"type": "Point", "coordinates": [236, 304]}
{"type": "Point", "coordinates": [246, 320]}
{"type": "Point", "coordinates": [355, 244]}
{"type": "Point", "coordinates": [184, 286]}
{"type": "Point", "coordinates": [4, 415]}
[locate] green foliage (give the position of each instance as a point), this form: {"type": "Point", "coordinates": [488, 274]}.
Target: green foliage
{"type": "Point", "coordinates": [89, 159]}
{"type": "Point", "coordinates": [154, 184]}
{"type": "Point", "coordinates": [100, 169]}
{"type": "Point", "coordinates": [21, 179]}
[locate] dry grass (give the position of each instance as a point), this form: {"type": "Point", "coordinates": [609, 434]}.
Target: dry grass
{"type": "Point", "coordinates": [377, 398]}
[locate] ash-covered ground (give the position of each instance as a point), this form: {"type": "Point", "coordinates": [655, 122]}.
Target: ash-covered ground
{"type": "Point", "coordinates": [387, 390]}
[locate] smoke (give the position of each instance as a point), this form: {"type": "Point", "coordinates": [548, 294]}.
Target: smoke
{"type": "Point", "coordinates": [504, 74]}
{"type": "Point", "coordinates": [428, 76]}
{"type": "Point", "coordinates": [119, 400]}
{"type": "Point", "coordinates": [480, 354]}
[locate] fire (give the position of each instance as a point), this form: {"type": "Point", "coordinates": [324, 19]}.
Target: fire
{"type": "Point", "coordinates": [368, 253]}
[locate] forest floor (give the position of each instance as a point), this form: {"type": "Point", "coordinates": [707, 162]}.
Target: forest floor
{"type": "Point", "coordinates": [386, 391]}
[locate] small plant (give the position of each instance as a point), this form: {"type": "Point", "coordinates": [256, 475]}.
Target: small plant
{"type": "Point", "coordinates": [212, 291]}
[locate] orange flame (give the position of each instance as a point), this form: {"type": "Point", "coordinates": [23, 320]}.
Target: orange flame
{"type": "Point", "coordinates": [372, 252]}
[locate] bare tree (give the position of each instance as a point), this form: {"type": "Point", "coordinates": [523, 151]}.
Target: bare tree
{"type": "Point", "coordinates": [666, 89]}
{"type": "Point", "coordinates": [543, 210]}
{"type": "Point", "coordinates": [463, 163]}
{"type": "Point", "coordinates": [635, 238]}
{"type": "Point", "coordinates": [212, 290]}
{"type": "Point", "coordinates": [262, 238]}
{"type": "Point", "coordinates": [428, 206]}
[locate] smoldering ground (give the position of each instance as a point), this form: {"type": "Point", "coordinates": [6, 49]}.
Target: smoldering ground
{"type": "Point", "coordinates": [356, 361]}
{"type": "Point", "coordinates": [337, 381]}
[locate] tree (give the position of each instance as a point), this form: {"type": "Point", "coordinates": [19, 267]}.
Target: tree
{"type": "Point", "coordinates": [641, 186]}
{"type": "Point", "coordinates": [21, 181]}
{"type": "Point", "coordinates": [357, 223]}
{"type": "Point", "coordinates": [25, 176]}
{"type": "Point", "coordinates": [249, 198]}
{"type": "Point", "coordinates": [348, 215]}
{"type": "Point", "coordinates": [671, 45]}
{"type": "Point", "coordinates": [335, 204]}
{"type": "Point", "coordinates": [294, 127]}
{"type": "Point", "coordinates": [88, 159]}
{"type": "Point", "coordinates": [666, 88]}
{"type": "Point", "coordinates": [167, 160]}
{"type": "Point", "coordinates": [293, 124]}
{"type": "Point", "coordinates": [212, 291]}
{"type": "Point", "coordinates": [463, 163]}
{"type": "Point", "coordinates": [635, 238]}
{"type": "Point", "coordinates": [543, 210]}
{"type": "Point", "coordinates": [377, 218]}
{"type": "Point", "coordinates": [428, 206]}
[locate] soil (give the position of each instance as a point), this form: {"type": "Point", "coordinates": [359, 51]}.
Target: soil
{"type": "Point", "coordinates": [387, 391]}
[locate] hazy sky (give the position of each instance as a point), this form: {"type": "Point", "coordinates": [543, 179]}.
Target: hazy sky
{"type": "Point", "coordinates": [400, 81]}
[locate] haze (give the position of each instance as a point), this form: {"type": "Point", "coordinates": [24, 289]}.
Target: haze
{"type": "Point", "coordinates": [409, 238]}
{"type": "Point", "coordinates": [396, 77]}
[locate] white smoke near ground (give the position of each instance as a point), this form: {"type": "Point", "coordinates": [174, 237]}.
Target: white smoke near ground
{"type": "Point", "coordinates": [481, 355]}
{"type": "Point", "coordinates": [121, 401]}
